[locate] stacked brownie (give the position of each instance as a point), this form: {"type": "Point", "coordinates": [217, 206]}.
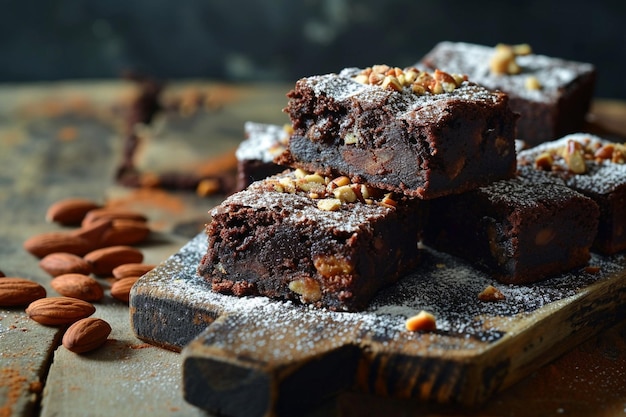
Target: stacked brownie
{"type": "Point", "coordinates": [322, 241]}
{"type": "Point", "coordinates": [255, 154]}
{"type": "Point", "coordinates": [551, 94]}
{"type": "Point", "coordinates": [594, 167]}
{"type": "Point", "coordinates": [381, 158]}
{"type": "Point", "coordinates": [520, 230]}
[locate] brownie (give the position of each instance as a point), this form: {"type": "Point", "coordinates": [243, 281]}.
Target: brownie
{"type": "Point", "coordinates": [304, 237]}
{"type": "Point", "coordinates": [552, 95]}
{"type": "Point", "coordinates": [256, 153]}
{"type": "Point", "coordinates": [519, 230]}
{"type": "Point", "coordinates": [421, 134]}
{"type": "Point", "coordinates": [594, 167]}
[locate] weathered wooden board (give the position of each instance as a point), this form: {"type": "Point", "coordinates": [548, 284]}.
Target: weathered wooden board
{"type": "Point", "coordinates": [271, 352]}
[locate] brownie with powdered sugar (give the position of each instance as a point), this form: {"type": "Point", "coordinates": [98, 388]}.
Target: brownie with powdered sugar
{"type": "Point", "coordinates": [552, 95]}
{"type": "Point", "coordinates": [326, 242]}
{"type": "Point", "coordinates": [520, 230]}
{"type": "Point", "coordinates": [594, 167]}
{"type": "Point", "coordinates": [255, 154]}
{"type": "Point", "coordinates": [421, 134]}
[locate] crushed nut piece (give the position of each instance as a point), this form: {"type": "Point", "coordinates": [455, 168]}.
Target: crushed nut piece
{"type": "Point", "coordinates": [532, 83]}
{"type": "Point", "coordinates": [329, 204]}
{"type": "Point", "coordinates": [423, 321]}
{"type": "Point", "coordinates": [491, 294]}
{"type": "Point", "coordinates": [503, 60]}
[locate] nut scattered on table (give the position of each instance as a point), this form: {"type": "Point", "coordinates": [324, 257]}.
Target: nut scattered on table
{"type": "Point", "coordinates": [70, 211]}
{"type": "Point", "coordinates": [57, 311]}
{"type": "Point", "coordinates": [104, 260]}
{"type": "Point", "coordinates": [78, 286]}
{"type": "Point", "coordinates": [86, 335]}
{"type": "Point", "coordinates": [59, 263]}
{"type": "Point", "coordinates": [120, 289]}
{"type": "Point", "coordinates": [16, 291]}
{"type": "Point", "coordinates": [132, 270]}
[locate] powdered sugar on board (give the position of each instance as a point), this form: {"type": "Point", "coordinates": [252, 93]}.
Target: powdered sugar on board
{"type": "Point", "coordinates": [442, 285]}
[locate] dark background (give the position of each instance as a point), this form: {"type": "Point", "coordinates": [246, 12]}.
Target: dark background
{"type": "Point", "coordinates": [282, 40]}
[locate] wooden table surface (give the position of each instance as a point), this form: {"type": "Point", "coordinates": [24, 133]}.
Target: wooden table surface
{"type": "Point", "coordinates": [61, 140]}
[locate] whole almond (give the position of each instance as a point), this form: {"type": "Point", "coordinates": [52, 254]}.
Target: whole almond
{"type": "Point", "coordinates": [60, 263]}
{"type": "Point", "coordinates": [70, 211]}
{"type": "Point", "coordinates": [78, 286]}
{"type": "Point", "coordinates": [15, 291]}
{"type": "Point", "coordinates": [120, 289]}
{"type": "Point", "coordinates": [57, 311]}
{"type": "Point", "coordinates": [125, 232]}
{"type": "Point", "coordinates": [132, 270]}
{"type": "Point", "coordinates": [86, 335]}
{"type": "Point", "coordinates": [112, 214]}
{"type": "Point", "coordinates": [2, 274]}
{"type": "Point", "coordinates": [46, 243]}
{"type": "Point", "coordinates": [104, 260]}
{"type": "Point", "coordinates": [94, 231]}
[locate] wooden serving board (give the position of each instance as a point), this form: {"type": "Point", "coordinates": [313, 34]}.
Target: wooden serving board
{"type": "Point", "coordinates": [255, 356]}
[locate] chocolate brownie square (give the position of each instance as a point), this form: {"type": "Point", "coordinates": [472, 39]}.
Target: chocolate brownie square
{"type": "Point", "coordinates": [256, 153]}
{"type": "Point", "coordinates": [312, 239]}
{"type": "Point", "coordinates": [424, 135]}
{"type": "Point", "coordinates": [520, 230]}
{"type": "Point", "coordinates": [596, 168]}
{"type": "Point", "coordinates": [552, 95]}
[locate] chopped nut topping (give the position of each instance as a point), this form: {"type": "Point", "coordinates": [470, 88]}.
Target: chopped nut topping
{"type": "Point", "coordinates": [329, 204]}
{"type": "Point", "coordinates": [532, 83]}
{"type": "Point", "coordinates": [574, 154]}
{"type": "Point", "coordinates": [419, 82]}
{"type": "Point", "coordinates": [503, 60]}
{"type": "Point", "coordinates": [491, 294]}
{"type": "Point", "coordinates": [423, 321]}
{"type": "Point", "coordinates": [330, 192]}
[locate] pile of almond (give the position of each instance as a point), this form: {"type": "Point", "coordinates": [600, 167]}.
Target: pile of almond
{"type": "Point", "coordinates": [100, 246]}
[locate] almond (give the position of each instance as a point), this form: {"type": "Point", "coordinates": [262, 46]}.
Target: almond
{"type": "Point", "coordinates": [125, 232]}
{"type": "Point", "coordinates": [121, 289]}
{"type": "Point", "coordinates": [132, 270]}
{"type": "Point", "coordinates": [70, 211]}
{"type": "Point", "coordinates": [2, 274]}
{"type": "Point", "coordinates": [78, 286]}
{"type": "Point", "coordinates": [86, 335]}
{"type": "Point", "coordinates": [46, 243]}
{"type": "Point", "coordinates": [104, 260]}
{"type": "Point", "coordinates": [112, 214]}
{"type": "Point", "coordinates": [16, 291]}
{"type": "Point", "coordinates": [56, 311]}
{"type": "Point", "coordinates": [93, 232]}
{"type": "Point", "coordinates": [60, 263]}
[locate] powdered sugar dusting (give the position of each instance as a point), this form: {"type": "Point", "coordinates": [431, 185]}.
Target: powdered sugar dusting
{"type": "Point", "coordinates": [442, 285]}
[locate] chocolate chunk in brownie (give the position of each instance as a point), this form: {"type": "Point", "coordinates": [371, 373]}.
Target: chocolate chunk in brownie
{"type": "Point", "coordinates": [520, 230]}
{"type": "Point", "coordinates": [421, 134]}
{"type": "Point", "coordinates": [312, 239]}
{"type": "Point", "coordinates": [594, 167]}
{"type": "Point", "coordinates": [552, 95]}
{"type": "Point", "coordinates": [256, 153]}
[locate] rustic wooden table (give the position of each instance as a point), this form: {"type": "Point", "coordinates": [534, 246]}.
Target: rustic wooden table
{"type": "Point", "coordinates": [66, 140]}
